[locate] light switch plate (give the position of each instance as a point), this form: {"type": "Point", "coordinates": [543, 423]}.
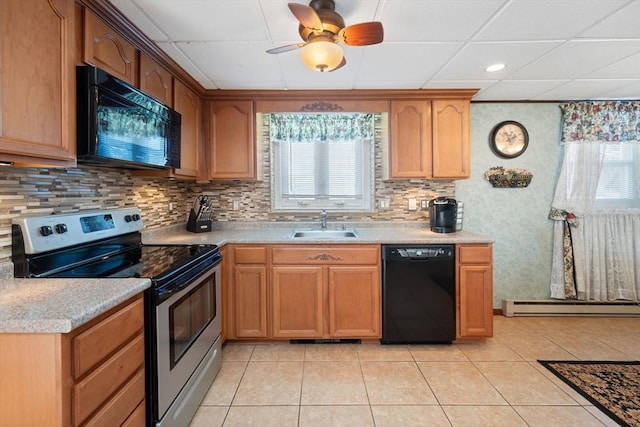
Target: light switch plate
{"type": "Point", "coordinates": [413, 204]}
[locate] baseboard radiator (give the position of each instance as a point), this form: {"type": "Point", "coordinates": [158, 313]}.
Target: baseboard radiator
{"type": "Point", "coordinates": [511, 308]}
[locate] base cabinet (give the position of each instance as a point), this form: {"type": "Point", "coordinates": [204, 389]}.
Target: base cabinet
{"type": "Point", "coordinates": [326, 291]}
{"type": "Point", "coordinates": [91, 376]}
{"type": "Point", "coordinates": [248, 292]}
{"type": "Point", "coordinates": [474, 290]}
{"type": "Point", "coordinates": [298, 297]}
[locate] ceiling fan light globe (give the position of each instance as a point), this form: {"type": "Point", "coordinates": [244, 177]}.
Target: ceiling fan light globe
{"type": "Point", "coordinates": [321, 55]}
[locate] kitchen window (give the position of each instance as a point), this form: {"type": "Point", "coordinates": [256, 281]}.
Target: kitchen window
{"type": "Point", "coordinates": [619, 182]}
{"type": "Point", "coordinates": [322, 161]}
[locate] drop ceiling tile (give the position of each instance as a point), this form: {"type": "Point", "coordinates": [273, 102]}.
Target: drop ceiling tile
{"type": "Point", "coordinates": [435, 20]}
{"type": "Point", "coordinates": [404, 61]}
{"type": "Point", "coordinates": [471, 61]}
{"type": "Point", "coordinates": [517, 90]}
{"type": "Point", "coordinates": [624, 23]}
{"type": "Point", "coordinates": [193, 20]}
{"type": "Point", "coordinates": [628, 67]}
{"type": "Point", "coordinates": [547, 19]}
{"type": "Point", "coordinates": [458, 84]}
{"type": "Point", "coordinates": [577, 58]}
{"type": "Point", "coordinates": [230, 61]}
{"type": "Point", "coordinates": [630, 91]}
{"type": "Point", "coordinates": [188, 64]}
{"type": "Point", "coordinates": [386, 84]}
{"type": "Point", "coordinates": [588, 89]}
{"type": "Point", "coordinates": [137, 17]}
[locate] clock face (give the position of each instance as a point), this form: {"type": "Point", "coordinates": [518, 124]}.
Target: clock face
{"type": "Point", "coordinates": [509, 139]}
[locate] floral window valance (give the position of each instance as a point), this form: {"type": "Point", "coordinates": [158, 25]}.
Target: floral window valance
{"type": "Point", "coordinates": [314, 127]}
{"type": "Point", "coordinates": [601, 121]}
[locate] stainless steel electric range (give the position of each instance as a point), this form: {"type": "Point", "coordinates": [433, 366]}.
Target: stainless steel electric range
{"type": "Point", "coordinates": [182, 308]}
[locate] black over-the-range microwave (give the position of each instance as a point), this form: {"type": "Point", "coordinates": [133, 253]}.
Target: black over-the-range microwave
{"type": "Point", "coordinates": [118, 125]}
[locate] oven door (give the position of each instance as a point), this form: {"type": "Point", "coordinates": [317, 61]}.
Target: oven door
{"type": "Point", "coordinates": [187, 325]}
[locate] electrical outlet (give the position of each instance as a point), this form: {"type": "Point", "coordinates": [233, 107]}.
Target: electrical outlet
{"type": "Point", "coordinates": [170, 206]}
{"type": "Point", "coordinates": [413, 205]}
{"type": "Point", "coordinates": [236, 205]}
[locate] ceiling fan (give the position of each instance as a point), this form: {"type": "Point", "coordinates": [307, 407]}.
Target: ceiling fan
{"type": "Point", "coordinates": [322, 29]}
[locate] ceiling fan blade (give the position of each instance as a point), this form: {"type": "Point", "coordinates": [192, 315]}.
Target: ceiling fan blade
{"type": "Point", "coordinates": [306, 15]}
{"type": "Point", "coordinates": [362, 34]}
{"type": "Point", "coordinates": [340, 65]}
{"type": "Point", "coordinates": [285, 48]}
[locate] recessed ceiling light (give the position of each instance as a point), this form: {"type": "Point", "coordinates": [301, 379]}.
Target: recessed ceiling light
{"type": "Point", "coordinates": [495, 67]}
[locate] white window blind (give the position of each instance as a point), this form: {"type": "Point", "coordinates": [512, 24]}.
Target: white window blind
{"type": "Point", "coordinates": [618, 184]}
{"type": "Point", "coordinates": [320, 164]}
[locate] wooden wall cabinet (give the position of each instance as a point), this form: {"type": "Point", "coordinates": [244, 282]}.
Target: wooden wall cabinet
{"type": "Point", "coordinates": [108, 50]}
{"type": "Point", "coordinates": [248, 291]}
{"type": "Point", "coordinates": [155, 80]}
{"type": "Point", "coordinates": [328, 291]}
{"type": "Point", "coordinates": [37, 82]}
{"type": "Point", "coordinates": [410, 145]}
{"type": "Point", "coordinates": [93, 375]}
{"type": "Point", "coordinates": [429, 139]}
{"type": "Point", "coordinates": [474, 299]}
{"type": "Point", "coordinates": [451, 138]}
{"type": "Point", "coordinates": [231, 142]}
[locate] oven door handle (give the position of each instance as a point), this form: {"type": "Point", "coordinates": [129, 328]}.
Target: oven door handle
{"type": "Point", "coordinates": [165, 292]}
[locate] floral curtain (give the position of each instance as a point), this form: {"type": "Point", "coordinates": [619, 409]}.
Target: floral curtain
{"type": "Point", "coordinates": [313, 127]}
{"type": "Point", "coordinates": [605, 121]}
{"type": "Point", "coordinates": [592, 256]}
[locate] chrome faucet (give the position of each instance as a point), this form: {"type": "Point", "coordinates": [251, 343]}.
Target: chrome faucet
{"type": "Point", "coordinates": [323, 220]}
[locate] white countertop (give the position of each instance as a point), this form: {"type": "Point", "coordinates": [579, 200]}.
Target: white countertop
{"type": "Point", "coordinates": [278, 233]}
{"type": "Point", "coordinates": [61, 305]}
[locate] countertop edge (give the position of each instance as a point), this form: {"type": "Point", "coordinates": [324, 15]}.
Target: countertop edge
{"type": "Point", "coordinates": [57, 306]}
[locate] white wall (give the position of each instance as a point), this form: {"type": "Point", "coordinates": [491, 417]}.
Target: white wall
{"type": "Point", "coordinates": [515, 217]}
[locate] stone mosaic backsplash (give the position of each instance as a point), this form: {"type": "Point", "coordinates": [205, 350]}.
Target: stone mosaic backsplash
{"type": "Point", "coordinates": [32, 191]}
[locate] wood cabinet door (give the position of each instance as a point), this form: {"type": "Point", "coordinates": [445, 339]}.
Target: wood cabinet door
{"type": "Point", "coordinates": [155, 80]}
{"type": "Point", "coordinates": [475, 312]}
{"type": "Point", "coordinates": [189, 105]}
{"type": "Point", "coordinates": [250, 301]}
{"type": "Point", "coordinates": [451, 139]}
{"type": "Point", "coordinates": [354, 302]}
{"type": "Point", "coordinates": [410, 144]}
{"type": "Point", "coordinates": [108, 50]}
{"type": "Point", "coordinates": [232, 152]}
{"type": "Point", "coordinates": [37, 82]}
{"type": "Point", "coordinates": [297, 302]}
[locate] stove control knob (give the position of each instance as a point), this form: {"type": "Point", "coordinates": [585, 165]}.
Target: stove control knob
{"type": "Point", "coordinates": [136, 217]}
{"type": "Point", "coordinates": [61, 228]}
{"type": "Point", "coordinates": [128, 218]}
{"type": "Point", "coordinates": [46, 230]}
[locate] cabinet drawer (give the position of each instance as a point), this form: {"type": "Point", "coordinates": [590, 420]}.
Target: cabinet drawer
{"type": "Point", "coordinates": [122, 405]}
{"type": "Point", "coordinates": [326, 255]}
{"type": "Point", "coordinates": [250, 254]}
{"type": "Point", "coordinates": [96, 343]}
{"type": "Point", "coordinates": [137, 418]}
{"type": "Point", "coordinates": [475, 254]}
{"type": "Point", "coordinates": [90, 393]}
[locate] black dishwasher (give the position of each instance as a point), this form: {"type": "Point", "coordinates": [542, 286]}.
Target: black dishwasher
{"type": "Point", "coordinates": [418, 294]}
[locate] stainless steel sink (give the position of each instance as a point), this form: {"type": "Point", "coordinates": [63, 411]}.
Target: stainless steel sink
{"type": "Point", "coordinates": [323, 234]}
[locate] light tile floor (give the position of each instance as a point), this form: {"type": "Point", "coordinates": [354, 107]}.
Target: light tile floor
{"type": "Point", "coordinates": [492, 382]}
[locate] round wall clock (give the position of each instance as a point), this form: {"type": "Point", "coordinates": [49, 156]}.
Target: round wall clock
{"type": "Point", "coordinates": [508, 139]}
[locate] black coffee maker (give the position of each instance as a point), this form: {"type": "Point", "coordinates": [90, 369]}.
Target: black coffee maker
{"type": "Point", "coordinates": [442, 215]}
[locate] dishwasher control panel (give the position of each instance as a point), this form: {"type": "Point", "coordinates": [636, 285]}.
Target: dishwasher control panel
{"type": "Point", "coordinates": [418, 252]}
